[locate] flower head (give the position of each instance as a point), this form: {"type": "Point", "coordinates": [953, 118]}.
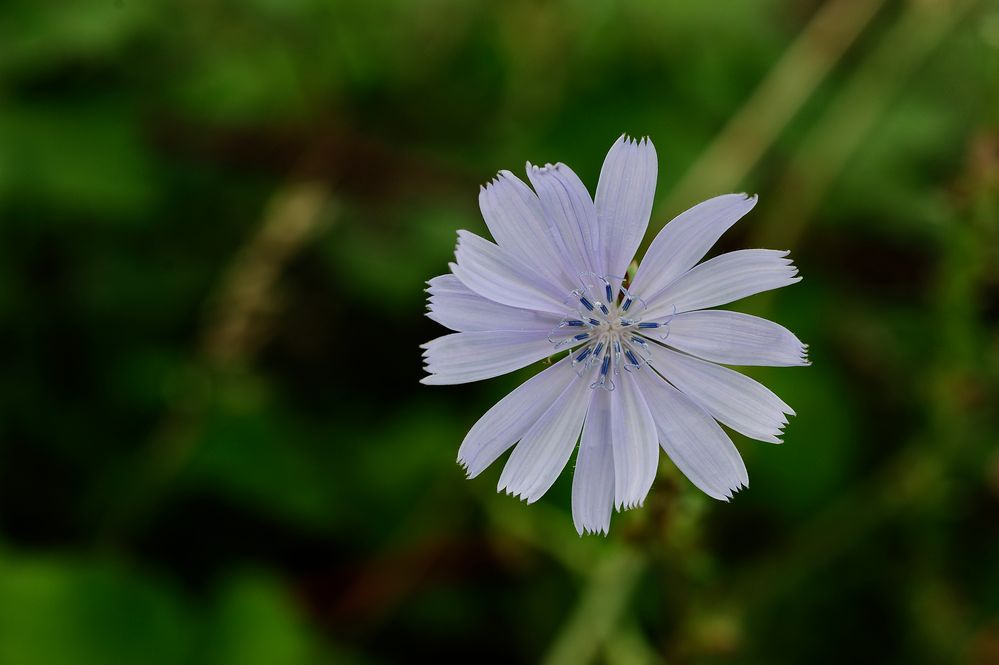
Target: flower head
{"type": "Point", "coordinates": [643, 358]}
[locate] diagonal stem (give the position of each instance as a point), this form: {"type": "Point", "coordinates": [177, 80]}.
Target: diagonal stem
{"type": "Point", "coordinates": [237, 322]}
{"type": "Point", "coordinates": [778, 98]}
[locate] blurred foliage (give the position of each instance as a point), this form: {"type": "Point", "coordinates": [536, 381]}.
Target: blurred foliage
{"type": "Point", "coordinates": [213, 445]}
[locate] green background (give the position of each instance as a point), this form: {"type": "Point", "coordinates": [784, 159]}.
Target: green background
{"type": "Point", "coordinates": [216, 220]}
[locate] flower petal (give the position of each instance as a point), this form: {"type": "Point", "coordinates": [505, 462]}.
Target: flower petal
{"type": "Point", "coordinates": [624, 197]}
{"type": "Point", "coordinates": [545, 449]}
{"type": "Point", "coordinates": [693, 440]}
{"type": "Point", "coordinates": [635, 444]}
{"type": "Point", "coordinates": [496, 274]}
{"type": "Point", "coordinates": [516, 220]}
{"type": "Point", "coordinates": [723, 279]}
{"type": "Point", "coordinates": [511, 417]}
{"type": "Point", "coordinates": [463, 357]}
{"type": "Point", "coordinates": [733, 338]}
{"type": "Point", "coordinates": [454, 305]}
{"type": "Point", "coordinates": [732, 398]}
{"type": "Point", "coordinates": [593, 479]}
{"type": "Point", "coordinates": [685, 240]}
{"type": "Point", "coordinates": [570, 212]}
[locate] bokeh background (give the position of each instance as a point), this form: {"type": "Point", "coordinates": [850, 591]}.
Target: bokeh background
{"type": "Point", "coordinates": [216, 220]}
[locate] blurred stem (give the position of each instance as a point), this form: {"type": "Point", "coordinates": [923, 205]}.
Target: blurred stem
{"type": "Point", "coordinates": [240, 312]}
{"type": "Point", "coordinates": [854, 113]}
{"type": "Point", "coordinates": [627, 646]}
{"type": "Point", "coordinates": [596, 614]}
{"type": "Point", "coordinates": [238, 320]}
{"type": "Point", "coordinates": [790, 83]}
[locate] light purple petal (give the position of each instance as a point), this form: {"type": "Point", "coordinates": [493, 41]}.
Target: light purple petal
{"type": "Point", "coordinates": [454, 305]}
{"type": "Point", "coordinates": [570, 211]}
{"type": "Point", "coordinates": [693, 440]}
{"type": "Point", "coordinates": [732, 398]}
{"type": "Point", "coordinates": [498, 275]}
{"type": "Point", "coordinates": [724, 279]}
{"type": "Point", "coordinates": [471, 356]}
{"type": "Point", "coordinates": [733, 338]}
{"type": "Point", "coordinates": [593, 479]}
{"type": "Point", "coordinates": [686, 239]}
{"type": "Point", "coordinates": [624, 198]}
{"type": "Point", "coordinates": [635, 443]}
{"type": "Point", "coordinates": [541, 455]}
{"type": "Point", "coordinates": [511, 417]}
{"type": "Point", "coordinates": [516, 220]}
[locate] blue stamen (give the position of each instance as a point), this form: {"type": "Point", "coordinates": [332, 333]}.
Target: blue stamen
{"type": "Point", "coordinates": [583, 355]}
{"type": "Point", "coordinates": [581, 336]}
{"type": "Point", "coordinates": [603, 308]}
{"type": "Point", "coordinates": [631, 357]}
{"type": "Point", "coordinates": [594, 322]}
{"type": "Point", "coordinates": [600, 347]}
{"type": "Point", "coordinates": [648, 324]}
{"type": "Point", "coordinates": [626, 304]}
{"type": "Point", "coordinates": [575, 323]}
{"type": "Point", "coordinates": [607, 288]}
{"type": "Point", "coordinates": [586, 303]}
{"type": "Point", "coordinates": [606, 366]}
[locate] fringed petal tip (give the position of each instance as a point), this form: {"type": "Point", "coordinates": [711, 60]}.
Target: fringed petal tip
{"type": "Point", "coordinates": [631, 505]}
{"type": "Point", "coordinates": [557, 167]}
{"type": "Point", "coordinates": [775, 437]}
{"type": "Point", "coordinates": [534, 168]}
{"type": "Point", "coordinates": [520, 495]}
{"type": "Point", "coordinates": [641, 141]}
{"type": "Point", "coordinates": [463, 463]}
{"type": "Point", "coordinates": [472, 466]}
{"type": "Point", "coordinates": [585, 530]}
{"type": "Point", "coordinates": [732, 491]}
{"type": "Point", "coordinates": [803, 356]}
{"type": "Point", "coordinates": [498, 179]}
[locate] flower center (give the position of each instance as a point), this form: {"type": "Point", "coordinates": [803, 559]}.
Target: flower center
{"type": "Point", "coordinates": [605, 331]}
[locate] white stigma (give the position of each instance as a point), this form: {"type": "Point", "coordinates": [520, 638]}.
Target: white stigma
{"type": "Point", "coordinates": [605, 332]}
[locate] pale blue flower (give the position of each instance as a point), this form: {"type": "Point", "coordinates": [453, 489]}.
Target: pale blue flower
{"type": "Point", "coordinates": [644, 364]}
